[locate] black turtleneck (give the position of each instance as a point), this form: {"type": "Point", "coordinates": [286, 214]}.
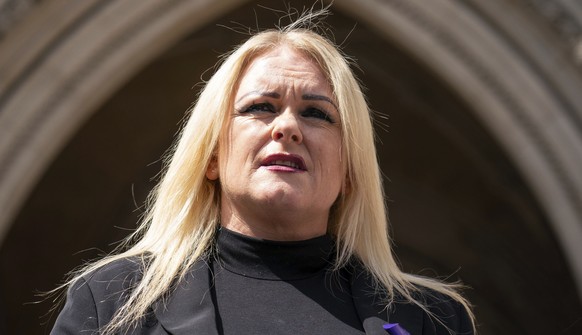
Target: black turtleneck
{"type": "Point", "coordinates": [254, 286]}
{"type": "Point", "coordinates": [266, 287]}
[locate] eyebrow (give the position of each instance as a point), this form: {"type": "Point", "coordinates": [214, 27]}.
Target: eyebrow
{"type": "Point", "coordinates": [320, 98]}
{"type": "Point", "coordinates": [276, 95]}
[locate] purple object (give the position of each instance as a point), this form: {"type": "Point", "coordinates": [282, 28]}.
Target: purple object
{"type": "Point", "coordinates": [395, 329]}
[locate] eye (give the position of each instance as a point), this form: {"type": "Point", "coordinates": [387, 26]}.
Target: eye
{"type": "Point", "coordinates": [318, 114]}
{"type": "Point", "coordinates": [259, 107]}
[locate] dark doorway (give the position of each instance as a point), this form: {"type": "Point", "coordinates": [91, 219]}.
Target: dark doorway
{"type": "Point", "coordinates": [458, 207]}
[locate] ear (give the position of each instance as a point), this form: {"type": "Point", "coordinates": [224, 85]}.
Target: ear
{"type": "Point", "coordinates": [212, 169]}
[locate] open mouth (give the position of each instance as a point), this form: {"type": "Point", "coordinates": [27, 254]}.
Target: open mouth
{"type": "Point", "coordinates": [288, 161]}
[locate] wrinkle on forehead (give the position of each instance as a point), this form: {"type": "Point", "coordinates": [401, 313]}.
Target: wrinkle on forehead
{"type": "Point", "coordinates": [291, 68]}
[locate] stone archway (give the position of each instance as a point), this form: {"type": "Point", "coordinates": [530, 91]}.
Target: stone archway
{"type": "Point", "coordinates": [493, 55]}
{"type": "Point", "coordinates": [496, 55]}
{"type": "Point", "coordinates": [61, 61]}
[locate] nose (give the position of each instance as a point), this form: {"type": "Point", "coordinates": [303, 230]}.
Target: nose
{"type": "Point", "coordinates": [286, 128]}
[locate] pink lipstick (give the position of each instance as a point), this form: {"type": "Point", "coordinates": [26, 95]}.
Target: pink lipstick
{"type": "Point", "coordinates": [284, 163]}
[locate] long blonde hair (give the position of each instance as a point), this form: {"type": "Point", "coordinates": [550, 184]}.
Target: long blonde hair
{"type": "Point", "coordinates": [183, 212]}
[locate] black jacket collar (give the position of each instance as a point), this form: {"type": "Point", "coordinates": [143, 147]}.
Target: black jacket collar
{"type": "Point", "coordinates": [191, 306]}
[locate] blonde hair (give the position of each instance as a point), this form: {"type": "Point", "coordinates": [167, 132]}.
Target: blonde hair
{"type": "Point", "coordinates": [179, 227]}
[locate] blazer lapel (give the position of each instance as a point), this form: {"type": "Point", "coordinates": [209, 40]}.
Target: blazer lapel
{"type": "Point", "coordinates": [190, 309]}
{"type": "Point", "coordinates": [372, 310]}
{"type": "Point", "coordinates": [409, 316]}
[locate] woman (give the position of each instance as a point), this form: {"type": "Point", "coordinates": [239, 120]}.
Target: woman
{"type": "Point", "coordinates": [270, 215]}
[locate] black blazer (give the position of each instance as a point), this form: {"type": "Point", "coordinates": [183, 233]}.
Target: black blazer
{"type": "Point", "coordinates": [93, 300]}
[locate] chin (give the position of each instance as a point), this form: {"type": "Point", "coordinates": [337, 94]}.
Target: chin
{"type": "Point", "coordinates": [279, 197]}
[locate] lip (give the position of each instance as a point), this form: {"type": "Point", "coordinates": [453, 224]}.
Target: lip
{"type": "Point", "coordinates": [284, 162]}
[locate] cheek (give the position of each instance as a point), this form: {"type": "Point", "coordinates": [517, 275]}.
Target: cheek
{"type": "Point", "coordinates": [231, 145]}
{"type": "Point", "coordinates": [330, 156]}
{"type": "Point", "coordinates": [240, 150]}
{"type": "Point", "coordinates": [333, 143]}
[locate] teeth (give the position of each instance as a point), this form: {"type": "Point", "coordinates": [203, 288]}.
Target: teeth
{"type": "Point", "coordinates": [286, 163]}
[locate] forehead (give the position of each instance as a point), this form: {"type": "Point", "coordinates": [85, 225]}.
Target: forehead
{"type": "Point", "coordinates": [284, 65]}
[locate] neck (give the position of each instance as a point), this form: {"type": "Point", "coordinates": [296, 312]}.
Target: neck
{"type": "Point", "coordinates": [273, 224]}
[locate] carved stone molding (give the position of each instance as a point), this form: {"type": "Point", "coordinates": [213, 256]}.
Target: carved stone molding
{"type": "Point", "coordinates": [511, 69]}
{"type": "Point", "coordinates": [565, 17]}
{"type": "Point", "coordinates": [63, 58]}
{"type": "Point", "coordinates": [11, 11]}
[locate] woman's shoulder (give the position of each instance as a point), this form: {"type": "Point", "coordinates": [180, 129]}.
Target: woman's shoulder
{"type": "Point", "coordinates": [119, 275]}
{"type": "Point", "coordinates": [93, 297]}
{"type": "Point", "coordinates": [436, 302]}
{"type": "Point", "coordinates": [443, 312]}
{"type": "Point", "coordinates": [421, 309]}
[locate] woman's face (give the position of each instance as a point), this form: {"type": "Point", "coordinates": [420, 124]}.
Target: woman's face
{"type": "Point", "coordinates": [279, 164]}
